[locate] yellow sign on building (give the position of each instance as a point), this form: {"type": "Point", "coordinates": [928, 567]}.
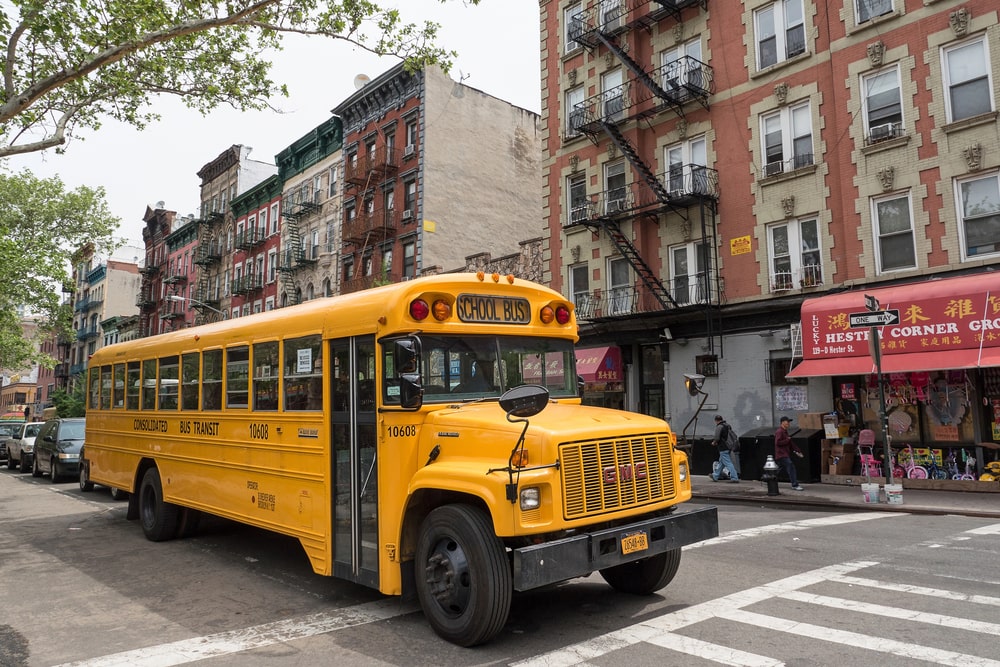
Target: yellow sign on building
{"type": "Point", "coordinates": [740, 245]}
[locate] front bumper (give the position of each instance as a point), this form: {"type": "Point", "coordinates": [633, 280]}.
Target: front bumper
{"type": "Point", "coordinates": [579, 555]}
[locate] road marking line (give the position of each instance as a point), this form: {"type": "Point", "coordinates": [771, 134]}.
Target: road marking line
{"type": "Point", "coordinates": [895, 612]}
{"type": "Point", "coordinates": [919, 590]}
{"type": "Point", "coordinates": [245, 639]}
{"type": "Point", "coordinates": [714, 652]}
{"type": "Point", "coordinates": [649, 630]}
{"type": "Point", "coordinates": [857, 640]}
{"type": "Point", "coordinates": [790, 526]}
{"type": "Point", "coordinates": [986, 530]}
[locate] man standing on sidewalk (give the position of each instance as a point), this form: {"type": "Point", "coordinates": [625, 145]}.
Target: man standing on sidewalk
{"type": "Point", "coordinates": [723, 438]}
{"type": "Point", "coordinates": [783, 448]}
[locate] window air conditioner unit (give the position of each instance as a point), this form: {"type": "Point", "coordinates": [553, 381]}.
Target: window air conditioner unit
{"type": "Point", "coordinates": [774, 168]}
{"type": "Point", "coordinates": [409, 150]}
{"type": "Point", "coordinates": [407, 214]}
{"type": "Point", "coordinates": [881, 132]}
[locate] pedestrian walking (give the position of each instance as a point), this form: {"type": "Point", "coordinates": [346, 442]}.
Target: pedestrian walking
{"type": "Point", "coordinates": [783, 450]}
{"type": "Point", "coordinates": [727, 443]}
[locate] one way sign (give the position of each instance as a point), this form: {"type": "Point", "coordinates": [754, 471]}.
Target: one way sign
{"type": "Point", "coordinates": [878, 318]}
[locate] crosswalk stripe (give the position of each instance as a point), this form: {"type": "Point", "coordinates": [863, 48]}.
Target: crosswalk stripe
{"type": "Point", "coordinates": [245, 639]}
{"type": "Point", "coordinates": [857, 640]}
{"type": "Point", "coordinates": [714, 652]}
{"type": "Point", "coordinates": [940, 593]}
{"type": "Point", "coordinates": [895, 612]}
{"type": "Point", "coordinates": [791, 526]}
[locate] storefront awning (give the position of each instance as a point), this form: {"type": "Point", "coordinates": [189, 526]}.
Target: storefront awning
{"type": "Point", "coordinates": [599, 364]}
{"type": "Point", "coordinates": [940, 324]}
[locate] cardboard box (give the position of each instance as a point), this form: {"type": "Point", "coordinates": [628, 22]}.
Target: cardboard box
{"type": "Point", "coordinates": [841, 465]}
{"type": "Point", "coordinates": [839, 448]}
{"type": "Point", "coordinates": [813, 420]}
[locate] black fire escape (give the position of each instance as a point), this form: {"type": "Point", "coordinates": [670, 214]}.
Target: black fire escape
{"type": "Point", "coordinates": [682, 187]}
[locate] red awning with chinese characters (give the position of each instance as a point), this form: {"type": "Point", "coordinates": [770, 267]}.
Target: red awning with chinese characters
{"type": "Point", "coordinates": [599, 364]}
{"type": "Point", "coordinates": [943, 323]}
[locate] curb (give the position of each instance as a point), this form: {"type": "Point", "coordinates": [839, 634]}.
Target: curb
{"type": "Point", "coordinates": [813, 501]}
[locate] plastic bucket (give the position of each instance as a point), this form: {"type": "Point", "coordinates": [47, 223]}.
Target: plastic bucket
{"type": "Point", "coordinates": [870, 493]}
{"type": "Point", "coordinates": [894, 494]}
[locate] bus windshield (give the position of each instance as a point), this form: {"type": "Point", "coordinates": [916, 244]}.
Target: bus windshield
{"type": "Point", "coordinates": [475, 367]}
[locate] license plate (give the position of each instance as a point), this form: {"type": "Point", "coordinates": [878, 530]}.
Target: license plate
{"type": "Point", "coordinates": [634, 542]}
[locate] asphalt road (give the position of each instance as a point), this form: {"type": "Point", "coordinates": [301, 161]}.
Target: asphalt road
{"type": "Point", "coordinates": [82, 586]}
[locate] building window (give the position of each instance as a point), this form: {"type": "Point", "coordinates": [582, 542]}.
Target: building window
{"type": "Point", "coordinates": [262, 223]}
{"type": "Point", "coordinates": [967, 77]}
{"type": "Point", "coordinates": [794, 253]}
{"type": "Point", "coordinates": [410, 198]}
{"type": "Point", "coordinates": [272, 265]}
{"type": "Point", "coordinates": [573, 23]}
{"type": "Point", "coordinates": [575, 113]}
{"type": "Point", "coordinates": [614, 187]}
{"type": "Point", "coordinates": [613, 96]}
{"type": "Point", "coordinates": [781, 32]}
{"type": "Point", "coordinates": [348, 270]}
{"type": "Point", "coordinates": [686, 167]}
{"type": "Point", "coordinates": [689, 273]}
{"type": "Point", "coordinates": [576, 191]}
{"type": "Point", "coordinates": [274, 218]}
{"type": "Point", "coordinates": [883, 106]}
{"type": "Point", "coordinates": [787, 139]}
{"type": "Point", "coordinates": [386, 271]}
{"type": "Point", "coordinates": [621, 296]}
{"type": "Point", "coordinates": [314, 242]}
{"type": "Point", "coordinates": [894, 233]}
{"type": "Point", "coordinates": [333, 181]}
{"type": "Point", "coordinates": [411, 133]}
{"type": "Point", "coordinates": [409, 259]}
{"type": "Point", "coordinates": [579, 286]}
{"type": "Point", "coordinates": [681, 67]}
{"type": "Point", "coordinates": [869, 9]}
{"type": "Point", "coordinates": [979, 206]}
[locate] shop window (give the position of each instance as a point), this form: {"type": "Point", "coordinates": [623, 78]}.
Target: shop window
{"type": "Point", "coordinates": [778, 370]}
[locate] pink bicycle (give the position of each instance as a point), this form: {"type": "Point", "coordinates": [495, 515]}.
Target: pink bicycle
{"type": "Point", "coordinates": [911, 470]}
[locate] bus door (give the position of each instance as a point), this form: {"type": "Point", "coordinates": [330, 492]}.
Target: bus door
{"type": "Point", "coordinates": [355, 471]}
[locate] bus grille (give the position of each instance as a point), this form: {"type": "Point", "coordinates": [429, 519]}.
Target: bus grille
{"type": "Point", "coordinates": [610, 475]}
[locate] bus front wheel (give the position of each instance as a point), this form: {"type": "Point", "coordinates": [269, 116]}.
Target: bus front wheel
{"type": "Point", "coordinates": [158, 518]}
{"type": "Point", "coordinates": [463, 575]}
{"type": "Point", "coordinates": [646, 576]}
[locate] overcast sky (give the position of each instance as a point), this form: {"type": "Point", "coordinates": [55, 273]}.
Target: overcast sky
{"type": "Point", "coordinates": [498, 47]}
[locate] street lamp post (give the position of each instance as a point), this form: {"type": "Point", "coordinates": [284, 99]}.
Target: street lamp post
{"type": "Point", "coordinates": [181, 299]}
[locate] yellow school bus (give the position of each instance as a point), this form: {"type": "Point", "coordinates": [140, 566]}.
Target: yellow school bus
{"type": "Point", "coordinates": [424, 438]}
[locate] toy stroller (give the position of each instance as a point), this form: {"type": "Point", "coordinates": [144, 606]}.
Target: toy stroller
{"type": "Point", "coordinates": [866, 454]}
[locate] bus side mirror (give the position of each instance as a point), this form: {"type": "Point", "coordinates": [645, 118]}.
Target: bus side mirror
{"type": "Point", "coordinates": [524, 401]}
{"type": "Point", "coordinates": [406, 356]}
{"type": "Point", "coordinates": [693, 383]}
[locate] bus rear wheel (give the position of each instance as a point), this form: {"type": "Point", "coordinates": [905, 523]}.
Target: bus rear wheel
{"type": "Point", "coordinates": [158, 518]}
{"type": "Point", "coordinates": [646, 576]}
{"type": "Point", "coordinates": [463, 575]}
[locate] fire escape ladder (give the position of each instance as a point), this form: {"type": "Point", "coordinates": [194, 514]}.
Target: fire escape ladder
{"type": "Point", "coordinates": [641, 74]}
{"type": "Point", "coordinates": [648, 177]}
{"type": "Point", "coordinates": [638, 264]}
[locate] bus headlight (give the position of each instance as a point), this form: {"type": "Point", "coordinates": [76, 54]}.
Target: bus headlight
{"type": "Point", "coordinates": [682, 472]}
{"type": "Point", "coordinates": [531, 498]}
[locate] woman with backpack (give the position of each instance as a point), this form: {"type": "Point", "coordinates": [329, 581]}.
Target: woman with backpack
{"type": "Point", "coordinates": [727, 442]}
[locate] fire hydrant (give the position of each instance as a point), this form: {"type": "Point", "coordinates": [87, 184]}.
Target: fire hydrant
{"type": "Point", "coordinates": [770, 476]}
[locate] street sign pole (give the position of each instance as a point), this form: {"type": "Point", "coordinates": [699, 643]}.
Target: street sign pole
{"type": "Point", "coordinates": [876, 349]}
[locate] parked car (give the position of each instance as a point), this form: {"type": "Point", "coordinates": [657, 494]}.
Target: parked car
{"type": "Point", "coordinates": [57, 448]}
{"type": "Point", "coordinates": [6, 431]}
{"type": "Point", "coordinates": [20, 447]}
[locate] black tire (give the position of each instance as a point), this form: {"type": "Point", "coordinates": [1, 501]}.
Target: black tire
{"type": "Point", "coordinates": [10, 461]}
{"type": "Point", "coordinates": [85, 484]}
{"type": "Point", "coordinates": [53, 470]}
{"type": "Point", "coordinates": [24, 464]}
{"type": "Point", "coordinates": [646, 576]}
{"type": "Point", "coordinates": [158, 518]}
{"type": "Point", "coordinates": [463, 575]}
{"type": "Point", "coordinates": [118, 494]}
{"type": "Point", "coordinates": [35, 470]}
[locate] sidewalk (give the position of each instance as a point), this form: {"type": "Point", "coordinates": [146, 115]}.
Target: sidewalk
{"type": "Point", "coordinates": [843, 497]}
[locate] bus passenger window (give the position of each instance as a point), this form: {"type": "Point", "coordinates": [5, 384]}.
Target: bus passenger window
{"type": "Point", "coordinates": [189, 381]}
{"type": "Point", "coordinates": [304, 373]}
{"type": "Point", "coordinates": [132, 386]}
{"type": "Point", "coordinates": [119, 381]}
{"type": "Point", "coordinates": [237, 377]}
{"type": "Point", "coordinates": [105, 387]}
{"type": "Point", "coordinates": [168, 383]}
{"type": "Point", "coordinates": [149, 384]}
{"type": "Point", "coordinates": [94, 393]}
{"type": "Point", "coordinates": [265, 376]}
{"type": "Point", "coordinates": [211, 380]}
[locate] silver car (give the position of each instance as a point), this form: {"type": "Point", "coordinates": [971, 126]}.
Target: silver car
{"type": "Point", "coordinates": [57, 448]}
{"type": "Point", "coordinates": [21, 446]}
